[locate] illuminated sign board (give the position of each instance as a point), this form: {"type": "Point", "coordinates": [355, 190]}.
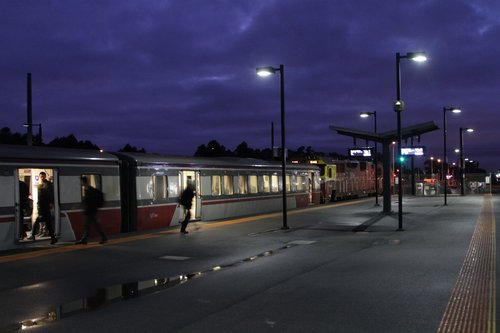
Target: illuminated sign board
{"type": "Point", "coordinates": [412, 151]}
{"type": "Point", "coordinates": [360, 152]}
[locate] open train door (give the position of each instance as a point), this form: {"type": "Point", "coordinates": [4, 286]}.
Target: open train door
{"type": "Point", "coordinates": [193, 178]}
{"type": "Point", "coordinates": [26, 213]}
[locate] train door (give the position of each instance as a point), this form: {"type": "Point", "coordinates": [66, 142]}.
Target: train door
{"type": "Point", "coordinates": [193, 178]}
{"type": "Point", "coordinates": [26, 200]}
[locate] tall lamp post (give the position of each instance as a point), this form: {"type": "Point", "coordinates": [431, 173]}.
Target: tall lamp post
{"type": "Point", "coordinates": [432, 167]}
{"type": "Point", "coordinates": [266, 71]}
{"type": "Point", "coordinates": [399, 107]}
{"type": "Point", "coordinates": [40, 140]}
{"type": "Point", "coordinates": [462, 174]}
{"type": "Point", "coordinates": [366, 115]}
{"type": "Point", "coordinates": [445, 159]}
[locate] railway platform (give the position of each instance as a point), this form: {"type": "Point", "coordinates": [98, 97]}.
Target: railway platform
{"type": "Point", "coordinates": [342, 267]}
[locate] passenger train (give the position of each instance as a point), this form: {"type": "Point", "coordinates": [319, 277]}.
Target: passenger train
{"type": "Point", "coordinates": [346, 179]}
{"type": "Point", "coordinates": [141, 191]}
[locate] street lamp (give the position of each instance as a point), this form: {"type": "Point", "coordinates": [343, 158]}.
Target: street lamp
{"type": "Point", "coordinates": [40, 141]}
{"type": "Point", "coordinates": [440, 174]}
{"type": "Point", "coordinates": [366, 115]}
{"type": "Point", "coordinates": [462, 174]}
{"type": "Point", "coordinates": [453, 110]}
{"type": "Point", "coordinates": [399, 107]}
{"type": "Point", "coordinates": [432, 167]}
{"type": "Point", "coordinates": [264, 72]}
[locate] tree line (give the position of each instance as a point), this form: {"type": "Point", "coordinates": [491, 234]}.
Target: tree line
{"type": "Point", "coordinates": [70, 141]}
{"type": "Point", "coordinates": [215, 149]}
{"type": "Point", "coordinates": [212, 149]}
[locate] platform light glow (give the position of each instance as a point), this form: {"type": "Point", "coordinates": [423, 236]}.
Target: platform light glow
{"type": "Point", "coordinates": [417, 57]}
{"type": "Point", "coordinates": [265, 71]}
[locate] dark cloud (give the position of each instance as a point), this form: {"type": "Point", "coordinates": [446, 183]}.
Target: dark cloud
{"type": "Point", "coordinates": [172, 75]}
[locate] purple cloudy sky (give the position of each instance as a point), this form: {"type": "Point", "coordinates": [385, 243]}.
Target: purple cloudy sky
{"type": "Point", "coordinates": [171, 75]}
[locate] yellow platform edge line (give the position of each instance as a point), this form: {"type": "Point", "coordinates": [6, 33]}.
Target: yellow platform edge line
{"type": "Point", "coordinates": [124, 239]}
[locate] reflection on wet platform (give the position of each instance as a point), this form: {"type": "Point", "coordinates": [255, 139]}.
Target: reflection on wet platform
{"type": "Point", "coordinates": [125, 291]}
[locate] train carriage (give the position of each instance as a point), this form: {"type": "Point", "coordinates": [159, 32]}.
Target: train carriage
{"type": "Point", "coordinates": [346, 179]}
{"type": "Point", "coordinates": [224, 188]}
{"type": "Point", "coordinates": [64, 168]}
{"type": "Point", "coordinates": [141, 190]}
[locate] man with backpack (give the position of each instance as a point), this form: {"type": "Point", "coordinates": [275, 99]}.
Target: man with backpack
{"type": "Point", "coordinates": [92, 201]}
{"type": "Point", "coordinates": [186, 200]}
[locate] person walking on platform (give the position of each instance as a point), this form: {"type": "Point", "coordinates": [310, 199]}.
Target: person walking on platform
{"type": "Point", "coordinates": [186, 200]}
{"type": "Point", "coordinates": [45, 205]}
{"type": "Point", "coordinates": [92, 200]}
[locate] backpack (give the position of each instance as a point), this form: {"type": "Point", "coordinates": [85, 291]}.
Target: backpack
{"type": "Point", "coordinates": [99, 198]}
{"type": "Point", "coordinates": [96, 197]}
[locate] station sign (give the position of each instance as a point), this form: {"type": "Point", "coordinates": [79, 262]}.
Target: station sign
{"type": "Point", "coordinates": [361, 152]}
{"type": "Point", "coordinates": [412, 151]}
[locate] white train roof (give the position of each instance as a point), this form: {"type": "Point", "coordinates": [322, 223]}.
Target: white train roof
{"type": "Point", "coordinates": [209, 162]}
{"type": "Point", "coordinates": [42, 153]}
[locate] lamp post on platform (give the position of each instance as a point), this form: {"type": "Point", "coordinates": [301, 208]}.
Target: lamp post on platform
{"type": "Point", "coordinates": [432, 167]}
{"type": "Point", "coordinates": [462, 173]}
{"type": "Point", "coordinates": [445, 159]}
{"type": "Point", "coordinates": [40, 140]}
{"type": "Point", "coordinates": [366, 115]}
{"type": "Point", "coordinates": [264, 72]}
{"type": "Point", "coordinates": [398, 108]}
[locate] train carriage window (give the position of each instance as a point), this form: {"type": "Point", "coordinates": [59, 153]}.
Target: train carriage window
{"type": "Point", "coordinates": [274, 183]}
{"type": "Point", "coordinates": [93, 180]}
{"type": "Point", "coordinates": [253, 184]}
{"type": "Point", "coordinates": [216, 185]}
{"type": "Point", "coordinates": [302, 185]}
{"type": "Point", "coordinates": [160, 189]}
{"type": "Point", "coordinates": [228, 185]}
{"type": "Point", "coordinates": [266, 182]}
{"type": "Point", "coordinates": [289, 183]}
{"type": "Point", "coordinates": [323, 170]}
{"type": "Point", "coordinates": [173, 187]}
{"type": "Point", "coordinates": [206, 185]}
{"type": "Point", "coordinates": [243, 181]}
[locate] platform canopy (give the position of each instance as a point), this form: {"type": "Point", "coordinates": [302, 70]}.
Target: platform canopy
{"type": "Point", "coordinates": [386, 139]}
{"type": "Point", "coordinates": [406, 132]}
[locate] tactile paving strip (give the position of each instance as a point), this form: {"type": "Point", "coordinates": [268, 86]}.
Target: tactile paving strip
{"type": "Point", "coordinates": [472, 305]}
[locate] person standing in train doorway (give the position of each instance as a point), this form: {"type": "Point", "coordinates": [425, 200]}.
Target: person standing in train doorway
{"type": "Point", "coordinates": [92, 201]}
{"type": "Point", "coordinates": [186, 201]}
{"type": "Point", "coordinates": [45, 205]}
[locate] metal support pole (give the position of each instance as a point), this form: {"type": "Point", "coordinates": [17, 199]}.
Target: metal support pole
{"type": "Point", "coordinates": [400, 179]}
{"type": "Point", "coordinates": [386, 163]}
{"type": "Point", "coordinates": [462, 174]}
{"type": "Point", "coordinates": [29, 137]}
{"type": "Point", "coordinates": [413, 180]}
{"type": "Point", "coordinates": [445, 160]}
{"type": "Point", "coordinates": [283, 146]}
{"type": "Point", "coordinates": [376, 160]}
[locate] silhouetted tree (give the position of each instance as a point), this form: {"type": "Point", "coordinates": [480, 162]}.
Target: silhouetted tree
{"type": "Point", "coordinates": [213, 149]}
{"type": "Point", "coordinates": [243, 150]}
{"type": "Point", "coordinates": [7, 137]}
{"type": "Point", "coordinates": [70, 141]}
{"type": "Point", "coordinates": [131, 149]}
